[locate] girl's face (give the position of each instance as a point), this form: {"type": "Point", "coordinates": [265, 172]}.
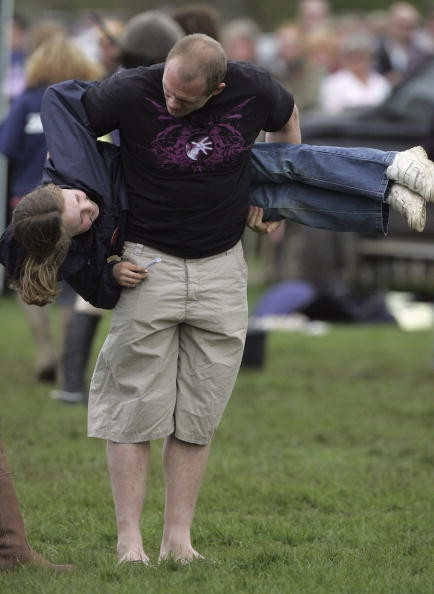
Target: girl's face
{"type": "Point", "coordinates": [79, 212]}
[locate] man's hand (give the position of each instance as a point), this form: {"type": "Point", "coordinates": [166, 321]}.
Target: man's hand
{"type": "Point", "coordinates": [255, 222]}
{"type": "Point", "coordinates": [128, 274]}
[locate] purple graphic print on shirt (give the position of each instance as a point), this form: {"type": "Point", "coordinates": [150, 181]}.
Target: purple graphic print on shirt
{"type": "Point", "coordinates": [199, 147]}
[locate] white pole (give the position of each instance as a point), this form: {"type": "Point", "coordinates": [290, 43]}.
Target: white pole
{"type": "Point", "coordinates": [6, 12]}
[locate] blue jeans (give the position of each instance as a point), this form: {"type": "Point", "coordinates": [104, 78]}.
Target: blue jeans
{"type": "Point", "coordinates": [336, 188]}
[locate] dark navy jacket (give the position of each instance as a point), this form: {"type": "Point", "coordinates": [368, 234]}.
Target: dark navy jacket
{"type": "Point", "coordinates": [78, 160]}
{"type": "Point", "coordinates": [22, 141]}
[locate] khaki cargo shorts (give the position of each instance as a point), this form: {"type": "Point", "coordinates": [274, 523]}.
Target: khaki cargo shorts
{"type": "Point", "coordinates": [170, 361]}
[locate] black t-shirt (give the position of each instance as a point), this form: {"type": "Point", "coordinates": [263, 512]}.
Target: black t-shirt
{"type": "Point", "coordinates": [188, 178]}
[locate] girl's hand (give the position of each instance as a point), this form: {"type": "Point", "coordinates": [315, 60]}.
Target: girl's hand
{"type": "Point", "coordinates": [128, 274]}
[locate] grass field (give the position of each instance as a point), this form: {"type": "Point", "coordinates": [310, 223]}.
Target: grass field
{"type": "Point", "coordinates": [320, 478]}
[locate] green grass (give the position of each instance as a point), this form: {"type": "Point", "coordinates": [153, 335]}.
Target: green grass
{"type": "Point", "coordinates": [320, 479]}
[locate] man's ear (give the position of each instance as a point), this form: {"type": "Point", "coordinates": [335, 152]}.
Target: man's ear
{"type": "Point", "coordinates": [219, 89]}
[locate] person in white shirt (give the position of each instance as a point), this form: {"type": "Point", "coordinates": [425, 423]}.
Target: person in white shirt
{"type": "Point", "coordinates": [356, 84]}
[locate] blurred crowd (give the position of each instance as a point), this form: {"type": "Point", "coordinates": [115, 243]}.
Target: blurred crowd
{"type": "Point", "coordinates": [330, 62]}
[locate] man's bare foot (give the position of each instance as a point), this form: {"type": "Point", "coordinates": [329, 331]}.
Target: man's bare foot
{"type": "Point", "coordinates": [182, 554]}
{"type": "Point", "coordinates": [135, 555]}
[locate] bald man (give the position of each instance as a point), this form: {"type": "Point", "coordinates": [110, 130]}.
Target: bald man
{"type": "Point", "coordinates": [169, 364]}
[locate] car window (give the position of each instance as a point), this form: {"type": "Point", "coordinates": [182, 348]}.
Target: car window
{"type": "Point", "coordinates": [415, 97]}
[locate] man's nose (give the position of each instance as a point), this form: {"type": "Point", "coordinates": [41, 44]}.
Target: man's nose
{"type": "Point", "coordinates": [172, 102]}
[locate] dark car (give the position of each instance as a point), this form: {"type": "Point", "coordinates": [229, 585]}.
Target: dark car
{"type": "Point", "coordinates": [405, 119]}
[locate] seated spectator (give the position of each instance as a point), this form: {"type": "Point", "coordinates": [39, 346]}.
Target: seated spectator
{"type": "Point", "coordinates": [356, 84]}
{"type": "Point", "coordinates": [400, 50]}
{"type": "Point", "coordinates": [322, 48]}
{"type": "Point", "coordinates": [240, 38]}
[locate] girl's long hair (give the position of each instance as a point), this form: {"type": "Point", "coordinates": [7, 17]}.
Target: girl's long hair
{"type": "Point", "coordinates": [37, 224]}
